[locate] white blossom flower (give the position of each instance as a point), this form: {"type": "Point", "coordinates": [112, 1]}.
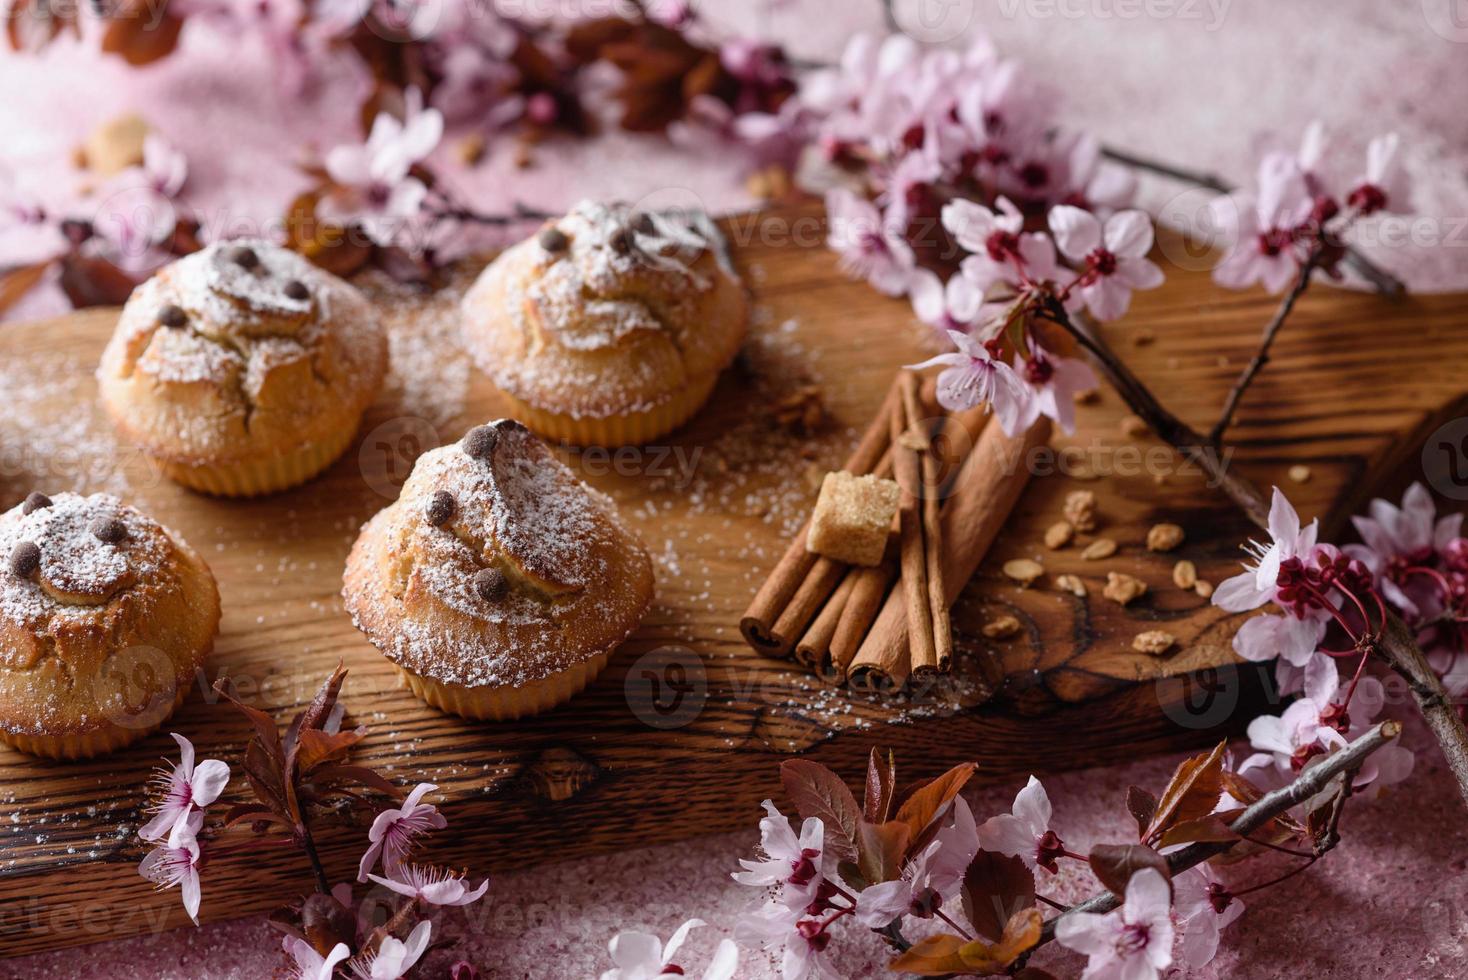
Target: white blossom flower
{"type": "Point", "coordinates": [642, 956]}
{"type": "Point", "coordinates": [185, 786]}
{"type": "Point", "coordinates": [394, 830]}
{"type": "Point", "coordinates": [1133, 942]}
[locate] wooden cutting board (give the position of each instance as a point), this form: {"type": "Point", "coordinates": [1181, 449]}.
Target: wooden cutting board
{"type": "Point", "coordinates": [684, 732]}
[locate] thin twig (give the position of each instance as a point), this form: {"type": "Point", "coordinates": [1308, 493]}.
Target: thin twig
{"type": "Point", "coordinates": [1384, 282]}
{"type": "Point", "coordinates": [1265, 809]}
{"type": "Point", "coordinates": [1261, 356]}
{"type": "Point", "coordinates": [308, 844]}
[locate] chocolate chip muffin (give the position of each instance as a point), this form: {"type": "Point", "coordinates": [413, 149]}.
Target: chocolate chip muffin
{"type": "Point", "coordinates": [105, 616]}
{"type": "Point", "coordinates": [498, 583]}
{"type": "Point", "coordinates": [242, 369]}
{"type": "Point", "coordinates": [610, 326]}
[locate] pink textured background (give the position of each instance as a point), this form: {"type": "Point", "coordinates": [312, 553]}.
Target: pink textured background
{"type": "Point", "coordinates": [1193, 87]}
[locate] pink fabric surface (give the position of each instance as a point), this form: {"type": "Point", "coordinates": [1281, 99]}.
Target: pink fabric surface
{"type": "Point", "coordinates": [1207, 90]}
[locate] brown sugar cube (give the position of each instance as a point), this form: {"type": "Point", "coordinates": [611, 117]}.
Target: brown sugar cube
{"type": "Point", "coordinates": [852, 518]}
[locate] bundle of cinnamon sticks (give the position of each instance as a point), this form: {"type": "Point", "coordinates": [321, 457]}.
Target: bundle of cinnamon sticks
{"type": "Point", "coordinates": [873, 628]}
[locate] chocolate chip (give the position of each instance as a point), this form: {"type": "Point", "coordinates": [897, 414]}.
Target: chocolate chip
{"type": "Point", "coordinates": [25, 558]}
{"type": "Point", "coordinates": [108, 530]}
{"type": "Point", "coordinates": [645, 225]}
{"type": "Point", "coordinates": [295, 289]}
{"type": "Point", "coordinates": [172, 316]}
{"type": "Point", "coordinates": [479, 442]}
{"type": "Point", "coordinates": [621, 241]}
{"type": "Point", "coordinates": [34, 501]}
{"type": "Point", "coordinates": [243, 256]}
{"type": "Point", "coordinates": [440, 508]}
{"type": "Point", "coordinates": [554, 240]}
{"type": "Point", "coordinates": [490, 583]}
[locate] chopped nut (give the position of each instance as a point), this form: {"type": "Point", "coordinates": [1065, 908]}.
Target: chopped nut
{"type": "Point", "coordinates": [116, 145]}
{"type": "Point", "coordinates": [1185, 574]}
{"type": "Point", "coordinates": [1300, 473]}
{"type": "Point", "coordinates": [1088, 396]}
{"type": "Point", "coordinates": [1058, 535]}
{"type": "Point", "coordinates": [1001, 627]}
{"type": "Point", "coordinates": [1099, 549]}
{"type": "Point", "coordinates": [914, 440]}
{"type": "Point", "coordinates": [1123, 588]}
{"type": "Point", "coordinates": [802, 411]}
{"type": "Point", "coordinates": [1133, 426]}
{"type": "Point", "coordinates": [1024, 570]}
{"type": "Point", "coordinates": [1080, 510]}
{"type": "Point", "coordinates": [1071, 584]}
{"type": "Point", "coordinates": [470, 149]}
{"type": "Point", "coordinates": [1204, 589]}
{"type": "Point", "coordinates": [1143, 337]}
{"type": "Point", "coordinates": [1153, 641]}
{"type": "Point", "coordinates": [1164, 537]}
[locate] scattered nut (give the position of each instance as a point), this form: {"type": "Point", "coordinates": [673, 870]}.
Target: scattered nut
{"type": "Point", "coordinates": [1071, 584]}
{"type": "Point", "coordinates": [1089, 396]}
{"type": "Point", "coordinates": [116, 145]}
{"type": "Point", "coordinates": [1025, 571]}
{"type": "Point", "coordinates": [1185, 574]}
{"type": "Point", "coordinates": [1133, 426]}
{"type": "Point", "coordinates": [1153, 641]}
{"type": "Point", "coordinates": [1204, 589]}
{"type": "Point", "coordinates": [1300, 473]}
{"type": "Point", "coordinates": [1058, 535]}
{"type": "Point", "coordinates": [1001, 627]}
{"type": "Point", "coordinates": [1099, 549]}
{"type": "Point", "coordinates": [1123, 588]}
{"type": "Point", "coordinates": [1143, 337]}
{"type": "Point", "coordinates": [1164, 537]}
{"type": "Point", "coordinates": [1080, 510]}
{"type": "Point", "coordinates": [470, 149]}
{"type": "Point", "coordinates": [803, 412]}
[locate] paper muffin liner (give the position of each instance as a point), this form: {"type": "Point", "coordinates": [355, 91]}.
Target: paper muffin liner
{"type": "Point", "coordinates": [505, 703]}
{"type": "Point", "coordinates": [254, 478]}
{"type": "Point", "coordinates": [101, 741]}
{"type": "Point", "coordinates": [631, 429]}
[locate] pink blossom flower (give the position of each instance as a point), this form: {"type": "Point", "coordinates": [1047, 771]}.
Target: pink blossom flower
{"type": "Point", "coordinates": [433, 885]}
{"type": "Point", "coordinates": [871, 246]}
{"type": "Point", "coordinates": [972, 375]}
{"type": "Point", "coordinates": [930, 881]}
{"type": "Point", "coordinates": [1133, 942]}
{"type": "Point", "coordinates": [1098, 184]}
{"type": "Point", "coordinates": [176, 862]}
{"type": "Point", "coordinates": [1288, 638]}
{"type": "Point", "coordinates": [185, 786]}
{"type": "Point", "coordinates": [311, 965]}
{"type": "Point", "coordinates": [1197, 894]}
{"type": "Point", "coordinates": [802, 941]}
{"type": "Point", "coordinates": [393, 832]}
{"type": "Point", "coordinates": [475, 87]}
{"type": "Point", "coordinates": [374, 188]}
{"type": "Point", "coordinates": [1025, 831]}
{"type": "Point", "coordinates": [1112, 259]}
{"type": "Point", "coordinates": [131, 224]}
{"type": "Point", "coordinates": [394, 957]}
{"type": "Point", "coordinates": [1002, 252]}
{"type": "Point", "coordinates": [1258, 585]}
{"type": "Point", "coordinates": [1261, 230]}
{"type": "Point", "coordinates": [27, 232]}
{"type": "Point", "coordinates": [1397, 539]}
{"type": "Point", "coordinates": [164, 166]}
{"type": "Point", "coordinates": [1054, 383]}
{"type": "Point", "coordinates": [642, 956]}
{"type": "Point", "coordinates": [954, 306]}
{"type": "Point", "coordinates": [1384, 186]}
{"type": "Point", "coordinates": [791, 864]}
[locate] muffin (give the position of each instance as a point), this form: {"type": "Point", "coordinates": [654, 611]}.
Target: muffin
{"type": "Point", "coordinates": [498, 583]}
{"type": "Point", "coordinates": [242, 369]}
{"type": "Point", "coordinates": [608, 327]}
{"type": "Point", "coordinates": [105, 616]}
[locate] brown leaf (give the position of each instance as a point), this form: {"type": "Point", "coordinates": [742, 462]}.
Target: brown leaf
{"type": "Point", "coordinates": [330, 775]}
{"type": "Point", "coordinates": [995, 886]}
{"type": "Point", "coordinates": [943, 954]}
{"type": "Point", "coordinates": [1114, 864]}
{"type": "Point", "coordinates": [818, 792]}
{"type": "Point", "coordinates": [326, 245]}
{"type": "Point", "coordinates": [316, 713]}
{"type": "Point", "coordinates": [267, 782]}
{"type": "Point", "coordinates": [90, 281]}
{"type": "Point", "coordinates": [932, 956]}
{"type": "Point", "coordinates": [18, 280]}
{"type": "Point", "coordinates": [1193, 792]}
{"type": "Point", "coordinates": [1141, 805]}
{"type": "Point", "coordinates": [881, 785]}
{"type": "Point", "coordinates": [1212, 828]}
{"type": "Point", "coordinates": [248, 812]}
{"type": "Point", "coordinates": [315, 748]}
{"type": "Point", "coordinates": [919, 809]}
{"type": "Point", "coordinates": [141, 32]}
{"type": "Point", "coordinates": [880, 847]}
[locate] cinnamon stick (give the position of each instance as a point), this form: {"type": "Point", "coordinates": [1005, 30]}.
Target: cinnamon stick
{"type": "Point", "coordinates": [816, 643]}
{"type": "Point", "coordinates": [985, 490]}
{"type": "Point", "coordinates": [934, 546]}
{"type": "Point", "coordinates": [760, 622]}
{"type": "Point", "coordinates": [868, 590]}
{"type": "Point", "coordinates": [907, 465]}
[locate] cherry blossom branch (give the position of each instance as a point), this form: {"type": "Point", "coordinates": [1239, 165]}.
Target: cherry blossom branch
{"type": "Point", "coordinates": [1271, 330]}
{"type": "Point", "coordinates": [308, 844]}
{"type": "Point", "coordinates": [1396, 644]}
{"type": "Point", "coordinates": [1384, 282]}
{"type": "Point", "coordinates": [1310, 782]}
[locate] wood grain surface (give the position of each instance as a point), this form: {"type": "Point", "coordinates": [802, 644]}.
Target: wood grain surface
{"type": "Point", "coordinates": [683, 733]}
